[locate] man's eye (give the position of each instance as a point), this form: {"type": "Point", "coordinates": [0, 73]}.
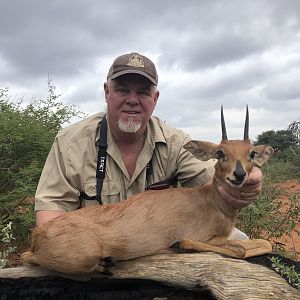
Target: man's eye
{"type": "Point", "coordinates": [145, 93]}
{"type": "Point", "coordinates": [121, 90]}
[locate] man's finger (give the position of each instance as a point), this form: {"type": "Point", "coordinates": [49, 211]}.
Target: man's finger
{"type": "Point", "coordinates": [234, 201]}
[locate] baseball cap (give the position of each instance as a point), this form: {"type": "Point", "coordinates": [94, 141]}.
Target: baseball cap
{"type": "Point", "coordinates": [133, 63]}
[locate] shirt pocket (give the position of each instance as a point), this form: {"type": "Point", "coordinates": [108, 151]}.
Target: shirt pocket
{"type": "Point", "coordinates": [111, 192]}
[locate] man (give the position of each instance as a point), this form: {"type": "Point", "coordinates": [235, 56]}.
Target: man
{"type": "Point", "coordinates": [142, 150]}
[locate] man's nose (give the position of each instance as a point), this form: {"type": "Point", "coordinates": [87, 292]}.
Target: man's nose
{"type": "Point", "coordinates": [133, 98]}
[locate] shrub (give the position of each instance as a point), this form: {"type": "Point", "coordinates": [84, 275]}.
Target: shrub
{"type": "Point", "coordinates": [26, 136]}
{"type": "Point", "coordinates": [289, 273]}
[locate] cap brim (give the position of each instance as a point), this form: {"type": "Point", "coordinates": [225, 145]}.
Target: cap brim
{"type": "Point", "coordinates": [117, 74]}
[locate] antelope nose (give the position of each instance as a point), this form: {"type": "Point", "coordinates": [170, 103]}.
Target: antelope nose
{"type": "Point", "coordinates": [239, 176]}
{"type": "Point", "coordinates": [239, 172]}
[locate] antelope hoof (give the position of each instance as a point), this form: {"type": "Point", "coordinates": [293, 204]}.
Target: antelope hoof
{"type": "Point", "coordinates": [109, 261]}
{"type": "Point", "coordinates": [176, 245]}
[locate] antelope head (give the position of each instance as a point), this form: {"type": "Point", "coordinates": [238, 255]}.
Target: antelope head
{"type": "Point", "coordinates": [235, 157]}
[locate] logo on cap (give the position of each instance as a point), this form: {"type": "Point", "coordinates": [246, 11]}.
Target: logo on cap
{"type": "Point", "coordinates": [136, 61]}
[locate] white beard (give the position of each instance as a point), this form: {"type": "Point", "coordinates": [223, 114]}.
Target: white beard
{"type": "Point", "coordinates": [129, 126]}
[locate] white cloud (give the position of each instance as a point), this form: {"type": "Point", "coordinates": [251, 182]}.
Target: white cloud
{"type": "Point", "coordinates": [207, 53]}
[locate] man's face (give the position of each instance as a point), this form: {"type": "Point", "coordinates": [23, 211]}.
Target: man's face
{"type": "Point", "coordinates": [130, 99]}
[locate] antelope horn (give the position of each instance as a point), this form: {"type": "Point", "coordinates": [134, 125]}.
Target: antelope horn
{"type": "Point", "coordinates": [246, 129]}
{"type": "Point", "coordinates": [224, 134]}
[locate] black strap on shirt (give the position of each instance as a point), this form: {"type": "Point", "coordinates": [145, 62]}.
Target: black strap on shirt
{"type": "Point", "coordinates": [161, 185]}
{"type": "Point", "coordinates": [101, 165]}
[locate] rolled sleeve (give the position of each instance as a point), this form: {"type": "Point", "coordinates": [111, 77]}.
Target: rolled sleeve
{"type": "Point", "coordinates": [54, 192]}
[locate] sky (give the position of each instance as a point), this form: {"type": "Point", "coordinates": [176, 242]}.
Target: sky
{"type": "Point", "coordinates": [207, 53]}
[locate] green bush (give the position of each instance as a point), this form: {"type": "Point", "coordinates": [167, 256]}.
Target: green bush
{"type": "Point", "coordinates": [278, 170]}
{"type": "Point", "coordinates": [290, 273]}
{"type": "Point", "coordinates": [26, 136]}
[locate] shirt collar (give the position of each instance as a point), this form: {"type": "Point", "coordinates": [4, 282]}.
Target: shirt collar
{"type": "Point", "coordinates": [155, 131]}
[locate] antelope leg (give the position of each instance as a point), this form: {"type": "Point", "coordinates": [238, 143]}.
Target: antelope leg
{"type": "Point", "coordinates": [233, 248]}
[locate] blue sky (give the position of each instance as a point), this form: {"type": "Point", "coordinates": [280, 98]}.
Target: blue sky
{"type": "Point", "coordinates": [207, 53]}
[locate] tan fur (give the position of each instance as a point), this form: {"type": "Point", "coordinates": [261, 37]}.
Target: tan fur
{"type": "Point", "coordinates": [145, 224]}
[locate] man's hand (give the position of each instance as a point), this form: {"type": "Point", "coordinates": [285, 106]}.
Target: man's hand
{"type": "Point", "coordinates": [43, 216]}
{"type": "Point", "coordinates": [239, 198]}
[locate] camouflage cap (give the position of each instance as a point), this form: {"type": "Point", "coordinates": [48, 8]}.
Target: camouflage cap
{"type": "Point", "coordinates": [133, 63]}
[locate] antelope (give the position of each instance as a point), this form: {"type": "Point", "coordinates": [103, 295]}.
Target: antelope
{"type": "Point", "coordinates": [155, 221]}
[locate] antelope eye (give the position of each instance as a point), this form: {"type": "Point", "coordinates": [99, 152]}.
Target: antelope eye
{"type": "Point", "coordinates": [252, 154]}
{"type": "Point", "coordinates": [219, 154]}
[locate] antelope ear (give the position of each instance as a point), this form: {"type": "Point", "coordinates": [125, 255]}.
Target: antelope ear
{"type": "Point", "coordinates": [202, 150]}
{"type": "Point", "coordinates": [262, 154]}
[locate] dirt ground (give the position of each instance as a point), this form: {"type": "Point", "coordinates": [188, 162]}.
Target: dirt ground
{"type": "Point", "coordinates": [291, 242]}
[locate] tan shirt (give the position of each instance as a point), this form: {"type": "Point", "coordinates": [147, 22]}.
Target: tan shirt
{"type": "Point", "coordinates": [71, 165]}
